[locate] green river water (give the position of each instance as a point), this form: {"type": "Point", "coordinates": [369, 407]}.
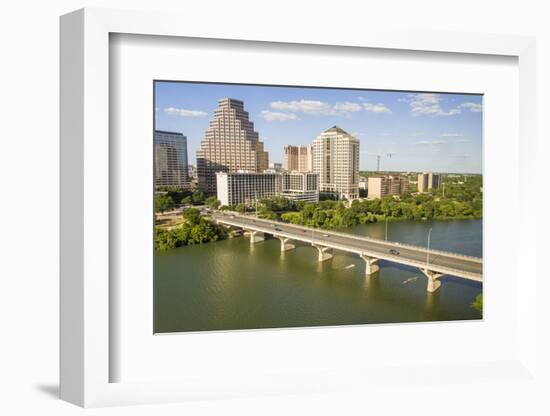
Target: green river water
{"type": "Point", "coordinates": [232, 285]}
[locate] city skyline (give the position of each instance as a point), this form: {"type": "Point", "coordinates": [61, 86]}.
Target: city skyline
{"type": "Point", "coordinates": [421, 131]}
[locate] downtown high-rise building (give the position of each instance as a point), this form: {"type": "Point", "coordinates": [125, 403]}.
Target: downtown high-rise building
{"type": "Point", "coordinates": [298, 158]}
{"type": "Point", "coordinates": [336, 160]}
{"type": "Point", "coordinates": [428, 181]}
{"type": "Point", "coordinates": [230, 144]}
{"type": "Point", "coordinates": [171, 167]}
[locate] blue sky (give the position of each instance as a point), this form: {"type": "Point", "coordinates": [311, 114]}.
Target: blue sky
{"type": "Point", "coordinates": [421, 131]}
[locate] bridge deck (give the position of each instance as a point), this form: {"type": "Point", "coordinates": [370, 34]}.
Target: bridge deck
{"type": "Point", "coordinates": [440, 261]}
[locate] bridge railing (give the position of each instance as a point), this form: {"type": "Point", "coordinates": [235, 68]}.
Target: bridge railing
{"type": "Point", "coordinates": [385, 256]}
{"type": "Point", "coordinates": [375, 240]}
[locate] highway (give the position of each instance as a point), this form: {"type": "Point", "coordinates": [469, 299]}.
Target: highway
{"type": "Point", "coordinates": [441, 262]}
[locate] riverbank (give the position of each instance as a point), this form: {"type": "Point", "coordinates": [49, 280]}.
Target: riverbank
{"type": "Point", "coordinates": [382, 217]}
{"type": "Point", "coordinates": [194, 229]}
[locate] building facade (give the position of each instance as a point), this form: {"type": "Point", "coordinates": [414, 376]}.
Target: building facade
{"type": "Point", "coordinates": [298, 158]}
{"type": "Point", "coordinates": [275, 167]}
{"type": "Point", "coordinates": [230, 144]}
{"type": "Point", "coordinates": [428, 181]}
{"type": "Point", "coordinates": [246, 188]}
{"type": "Point", "coordinates": [300, 186]}
{"type": "Point", "coordinates": [381, 186]}
{"type": "Point", "coordinates": [171, 167]}
{"type": "Point", "coordinates": [336, 160]}
{"type": "Point", "coordinates": [235, 188]}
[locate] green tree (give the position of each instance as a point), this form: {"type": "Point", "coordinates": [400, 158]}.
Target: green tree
{"type": "Point", "coordinates": [213, 202]}
{"type": "Point", "coordinates": [197, 197]}
{"type": "Point", "coordinates": [307, 212]}
{"type": "Point", "coordinates": [203, 232]}
{"type": "Point", "coordinates": [187, 200]}
{"type": "Point", "coordinates": [163, 203]}
{"type": "Point", "coordinates": [192, 216]}
{"type": "Point", "coordinates": [266, 213]}
{"type": "Point", "coordinates": [478, 303]}
{"type": "Point", "coordinates": [240, 208]}
{"type": "Point", "coordinates": [292, 217]}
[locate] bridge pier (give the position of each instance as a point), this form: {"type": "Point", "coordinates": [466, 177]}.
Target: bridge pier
{"type": "Point", "coordinates": [325, 253]}
{"type": "Point", "coordinates": [370, 264]}
{"type": "Point", "coordinates": [256, 236]}
{"type": "Point", "coordinates": [433, 283]}
{"type": "Point", "coordinates": [285, 245]}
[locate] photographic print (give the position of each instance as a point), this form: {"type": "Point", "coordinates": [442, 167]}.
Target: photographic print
{"type": "Point", "coordinates": [295, 206]}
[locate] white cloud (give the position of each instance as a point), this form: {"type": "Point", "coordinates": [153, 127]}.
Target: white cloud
{"type": "Point", "coordinates": [473, 107]}
{"type": "Point", "coordinates": [417, 134]}
{"type": "Point", "coordinates": [452, 135]}
{"type": "Point", "coordinates": [275, 116]}
{"type": "Point", "coordinates": [376, 108]}
{"type": "Point", "coordinates": [316, 107]}
{"type": "Point", "coordinates": [182, 112]}
{"type": "Point", "coordinates": [348, 107]}
{"type": "Point", "coordinates": [304, 106]}
{"type": "Point", "coordinates": [430, 142]}
{"type": "Point", "coordinates": [429, 104]}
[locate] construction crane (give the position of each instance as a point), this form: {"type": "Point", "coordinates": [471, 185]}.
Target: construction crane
{"type": "Point", "coordinates": [378, 157]}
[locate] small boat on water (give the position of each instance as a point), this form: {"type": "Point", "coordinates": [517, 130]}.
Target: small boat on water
{"type": "Point", "coordinates": [410, 280]}
{"type": "Point", "coordinates": [351, 266]}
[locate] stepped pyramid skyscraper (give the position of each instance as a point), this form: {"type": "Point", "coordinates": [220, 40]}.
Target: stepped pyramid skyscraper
{"type": "Point", "coordinates": [230, 144]}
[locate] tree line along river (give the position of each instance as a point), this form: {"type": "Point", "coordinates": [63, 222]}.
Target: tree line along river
{"type": "Point", "coordinates": [231, 284]}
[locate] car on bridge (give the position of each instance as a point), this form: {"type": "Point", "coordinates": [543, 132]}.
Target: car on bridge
{"type": "Point", "coordinates": [394, 252]}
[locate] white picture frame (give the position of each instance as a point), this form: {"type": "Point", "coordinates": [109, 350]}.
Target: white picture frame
{"type": "Point", "coordinates": [85, 214]}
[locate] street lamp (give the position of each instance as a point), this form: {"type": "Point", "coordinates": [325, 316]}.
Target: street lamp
{"type": "Point", "coordinates": [428, 252]}
{"type": "Point", "coordinates": [386, 228]}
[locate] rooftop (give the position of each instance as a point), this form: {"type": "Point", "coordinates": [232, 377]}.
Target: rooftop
{"type": "Point", "coordinates": [172, 133]}
{"type": "Point", "coordinates": [336, 129]}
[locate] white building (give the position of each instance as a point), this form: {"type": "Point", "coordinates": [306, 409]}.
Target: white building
{"type": "Point", "coordinates": [235, 188]}
{"type": "Point", "coordinates": [275, 166]}
{"type": "Point", "coordinates": [336, 160]}
{"type": "Point", "coordinates": [300, 186]}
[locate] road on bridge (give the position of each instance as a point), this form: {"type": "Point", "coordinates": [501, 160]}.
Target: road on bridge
{"type": "Point", "coordinates": [439, 261]}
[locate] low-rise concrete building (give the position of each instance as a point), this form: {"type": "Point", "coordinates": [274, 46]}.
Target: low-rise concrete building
{"type": "Point", "coordinates": [235, 188]}
{"type": "Point", "coordinates": [300, 186]}
{"type": "Point", "coordinates": [381, 186]}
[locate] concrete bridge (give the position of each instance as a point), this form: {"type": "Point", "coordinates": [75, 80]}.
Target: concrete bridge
{"type": "Point", "coordinates": [433, 263]}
